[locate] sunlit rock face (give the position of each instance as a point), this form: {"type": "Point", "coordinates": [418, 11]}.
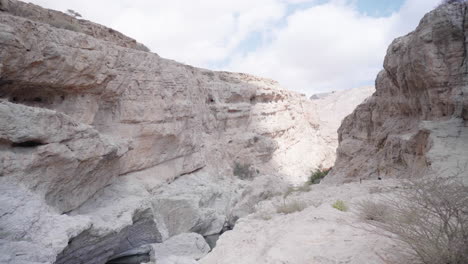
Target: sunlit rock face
{"type": "Point", "coordinates": [106, 148]}
{"type": "Point", "coordinates": [416, 120]}
{"type": "Point", "coordinates": [331, 109]}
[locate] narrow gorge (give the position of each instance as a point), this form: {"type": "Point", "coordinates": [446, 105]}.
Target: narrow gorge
{"type": "Point", "coordinates": [110, 153]}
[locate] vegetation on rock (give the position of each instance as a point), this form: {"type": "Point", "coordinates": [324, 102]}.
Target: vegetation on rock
{"type": "Point", "coordinates": [340, 205]}
{"type": "Point", "coordinates": [317, 175]}
{"type": "Point", "coordinates": [243, 171]}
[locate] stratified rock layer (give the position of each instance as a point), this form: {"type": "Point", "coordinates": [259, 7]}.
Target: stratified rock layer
{"type": "Point", "coordinates": [106, 148]}
{"type": "Point", "coordinates": [416, 120]}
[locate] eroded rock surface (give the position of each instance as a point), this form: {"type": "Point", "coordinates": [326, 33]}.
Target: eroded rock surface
{"type": "Point", "coordinates": [106, 148]}
{"type": "Point", "coordinates": [318, 234]}
{"type": "Point", "coordinates": [416, 119]}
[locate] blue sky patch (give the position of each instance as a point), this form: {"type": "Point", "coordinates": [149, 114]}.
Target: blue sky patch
{"type": "Point", "coordinates": [379, 8]}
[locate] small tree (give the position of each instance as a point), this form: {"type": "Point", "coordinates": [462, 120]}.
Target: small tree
{"type": "Point", "coordinates": [73, 13]}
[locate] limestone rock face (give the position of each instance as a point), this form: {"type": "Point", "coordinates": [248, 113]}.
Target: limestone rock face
{"type": "Point", "coordinates": [106, 148]}
{"type": "Point", "coordinates": [416, 119]}
{"type": "Point", "coordinates": [171, 113]}
{"type": "Point", "coordinates": [64, 161]}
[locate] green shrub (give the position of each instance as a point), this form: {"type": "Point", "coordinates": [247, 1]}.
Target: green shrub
{"type": "Point", "coordinates": [317, 175]}
{"type": "Point", "coordinates": [340, 205]}
{"type": "Point", "coordinates": [244, 171]}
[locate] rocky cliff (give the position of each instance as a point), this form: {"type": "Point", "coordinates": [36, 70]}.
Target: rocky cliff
{"type": "Point", "coordinates": [417, 119]}
{"type": "Point", "coordinates": [107, 148]}
{"type": "Point", "coordinates": [413, 124]}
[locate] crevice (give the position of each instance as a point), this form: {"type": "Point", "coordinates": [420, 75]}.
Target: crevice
{"type": "Point", "coordinates": [27, 144]}
{"type": "Point", "coordinates": [464, 39]}
{"type": "Point", "coordinates": [32, 94]}
{"type": "Point", "coordinates": [192, 171]}
{"type": "Point", "coordinates": [211, 240]}
{"type": "Point", "coordinates": [131, 259]}
{"type": "Point", "coordinates": [89, 247]}
{"type": "Point", "coordinates": [392, 78]}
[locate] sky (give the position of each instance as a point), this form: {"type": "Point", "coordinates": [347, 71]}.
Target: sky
{"type": "Point", "coordinates": [309, 46]}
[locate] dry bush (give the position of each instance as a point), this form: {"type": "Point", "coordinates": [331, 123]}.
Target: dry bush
{"type": "Point", "coordinates": [290, 207]}
{"type": "Point", "coordinates": [62, 23]}
{"type": "Point", "coordinates": [430, 216]}
{"type": "Point", "coordinates": [373, 211]}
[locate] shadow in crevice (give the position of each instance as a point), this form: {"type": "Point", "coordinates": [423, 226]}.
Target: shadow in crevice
{"type": "Point", "coordinates": [88, 247]}
{"type": "Point", "coordinates": [132, 259]}
{"type": "Point", "coordinates": [27, 144]}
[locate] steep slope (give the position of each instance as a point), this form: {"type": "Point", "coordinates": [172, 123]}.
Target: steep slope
{"type": "Point", "coordinates": [105, 147]}
{"type": "Point", "coordinates": [417, 118]}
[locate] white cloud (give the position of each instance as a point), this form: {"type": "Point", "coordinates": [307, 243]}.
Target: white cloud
{"type": "Point", "coordinates": [330, 46]}
{"type": "Point", "coordinates": [324, 47]}
{"type": "Point", "coordinates": [194, 32]}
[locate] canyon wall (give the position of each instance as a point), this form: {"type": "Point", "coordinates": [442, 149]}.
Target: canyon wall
{"type": "Point", "coordinates": [332, 108]}
{"type": "Point", "coordinates": [416, 121]}
{"type": "Point", "coordinates": [414, 124]}
{"type": "Point", "coordinates": [106, 148]}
